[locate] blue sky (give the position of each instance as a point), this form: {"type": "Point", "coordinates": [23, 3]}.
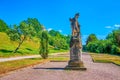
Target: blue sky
{"type": "Point", "coordinates": [96, 16]}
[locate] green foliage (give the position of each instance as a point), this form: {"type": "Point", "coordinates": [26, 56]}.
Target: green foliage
{"type": "Point", "coordinates": [30, 29]}
{"type": "Point", "coordinates": [3, 26]}
{"type": "Point", "coordinates": [91, 38]}
{"type": "Point", "coordinates": [110, 37]}
{"type": "Point", "coordinates": [35, 24]}
{"type": "Point", "coordinates": [111, 45]}
{"type": "Point", "coordinates": [14, 34]}
{"type": "Point", "coordinates": [116, 37]}
{"type": "Point", "coordinates": [54, 33]}
{"type": "Point", "coordinates": [58, 40]}
{"type": "Point", "coordinates": [26, 29]}
{"type": "Point", "coordinates": [44, 44]}
{"type": "Point", "coordinates": [115, 50]}
{"type": "Point", "coordinates": [20, 33]}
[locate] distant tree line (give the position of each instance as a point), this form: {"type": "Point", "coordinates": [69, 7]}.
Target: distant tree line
{"type": "Point", "coordinates": [110, 45]}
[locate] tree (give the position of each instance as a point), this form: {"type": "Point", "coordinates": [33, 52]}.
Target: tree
{"type": "Point", "coordinates": [3, 26]}
{"type": "Point", "coordinates": [54, 33]}
{"type": "Point", "coordinates": [20, 33]}
{"type": "Point", "coordinates": [14, 34]}
{"type": "Point", "coordinates": [35, 24]}
{"type": "Point", "coordinates": [58, 40]}
{"type": "Point", "coordinates": [116, 36]}
{"type": "Point", "coordinates": [44, 45]}
{"type": "Point", "coordinates": [91, 37]}
{"type": "Point", "coordinates": [115, 50]}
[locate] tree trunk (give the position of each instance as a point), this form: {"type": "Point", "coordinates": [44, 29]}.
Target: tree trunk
{"type": "Point", "coordinates": [19, 44]}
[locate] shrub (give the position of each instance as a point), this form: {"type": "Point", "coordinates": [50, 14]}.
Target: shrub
{"type": "Point", "coordinates": [44, 45]}
{"type": "Point", "coordinates": [115, 50]}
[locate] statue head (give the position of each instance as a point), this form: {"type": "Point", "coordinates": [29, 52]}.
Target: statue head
{"type": "Point", "coordinates": [76, 15]}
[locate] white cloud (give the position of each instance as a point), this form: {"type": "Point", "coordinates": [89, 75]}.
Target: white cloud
{"type": "Point", "coordinates": [117, 25]}
{"type": "Point", "coordinates": [113, 27]}
{"type": "Point", "coordinates": [108, 27]}
{"type": "Point", "coordinates": [49, 29]}
{"type": "Point", "coordinates": [60, 30]}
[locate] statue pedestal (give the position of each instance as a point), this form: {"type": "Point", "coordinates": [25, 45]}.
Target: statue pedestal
{"type": "Point", "coordinates": [75, 62]}
{"type": "Point", "coordinates": [75, 65]}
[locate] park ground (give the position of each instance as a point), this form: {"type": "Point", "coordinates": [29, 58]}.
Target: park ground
{"type": "Point", "coordinates": [54, 70]}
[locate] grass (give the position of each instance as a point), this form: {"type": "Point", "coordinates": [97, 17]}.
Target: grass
{"type": "Point", "coordinates": [13, 65]}
{"type": "Point", "coordinates": [106, 58]}
{"type": "Point", "coordinates": [17, 64]}
{"type": "Point", "coordinates": [55, 51]}
{"type": "Point", "coordinates": [59, 59]}
{"type": "Point", "coordinates": [29, 47]}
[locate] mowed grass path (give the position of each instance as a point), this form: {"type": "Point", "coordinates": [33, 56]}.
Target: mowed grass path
{"type": "Point", "coordinates": [106, 58]}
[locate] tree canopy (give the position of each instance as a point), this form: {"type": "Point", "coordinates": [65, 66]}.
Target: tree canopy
{"type": "Point", "coordinates": [91, 37]}
{"type": "Point", "coordinates": [110, 45]}
{"type": "Point", "coordinates": [3, 26]}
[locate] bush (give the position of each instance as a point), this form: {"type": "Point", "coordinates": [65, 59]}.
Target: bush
{"type": "Point", "coordinates": [92, 46]}
{"type": "Point", "coordinates": [115, 50]}
{"type": "Point", "coordinates": [44, 45]}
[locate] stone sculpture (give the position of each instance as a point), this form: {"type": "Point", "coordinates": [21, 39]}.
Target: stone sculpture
{"type": "Point", "coordinates": [75, 62]}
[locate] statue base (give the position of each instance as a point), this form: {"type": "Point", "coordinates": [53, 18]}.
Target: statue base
{"type": "Point", "coordinates": [75, 65]}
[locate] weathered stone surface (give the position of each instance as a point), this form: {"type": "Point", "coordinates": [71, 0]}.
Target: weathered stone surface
{"type": "Point", "coordinates": [75, 62]}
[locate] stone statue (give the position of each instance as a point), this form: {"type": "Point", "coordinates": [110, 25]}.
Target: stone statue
{"type": "Point", "coordinates": [75, 62]}
{"type": "Point", "coordinates": [75, 30]}
{"type": "Point", "coordinates": [75, 25]}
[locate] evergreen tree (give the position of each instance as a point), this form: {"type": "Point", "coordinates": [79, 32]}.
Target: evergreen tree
{"type": "Point", "coordinates": [44, 45]}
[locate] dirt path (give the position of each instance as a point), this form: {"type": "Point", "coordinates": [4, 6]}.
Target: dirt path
{"type": "Point", "coordinates": [18, 58]}
{"type": "Point", "coordinates": [54, 71]}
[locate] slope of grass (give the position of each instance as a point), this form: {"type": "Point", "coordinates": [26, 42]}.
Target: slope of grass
{"type": "Point", "coordinates": [106, 58]}
{"type": "Point", "coordinates": [13, 65]}
{"type": "Point", "coordinates": [29, 47]}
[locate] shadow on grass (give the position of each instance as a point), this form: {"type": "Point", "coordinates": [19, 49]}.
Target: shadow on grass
{"type": "Point", "coordinates": [9, 51]}
{"type": "Point", "coordinates": [19, 52]}
{"type": "Point", "coordinates": [5, 51]}
{"type": "Point", "coordinates": [54, 68]}
{"type": "Point", "coordinates": [29, 49]}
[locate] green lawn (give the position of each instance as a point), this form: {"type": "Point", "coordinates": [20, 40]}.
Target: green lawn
{"type": "Point", "coordinates": [105, 58]}
{"type": "Point", "coordinates": [17, 64]}
{"type": "Point", "coordinates": [59, 59]}
{"type": "Point", "coordinates": [13, 65]}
